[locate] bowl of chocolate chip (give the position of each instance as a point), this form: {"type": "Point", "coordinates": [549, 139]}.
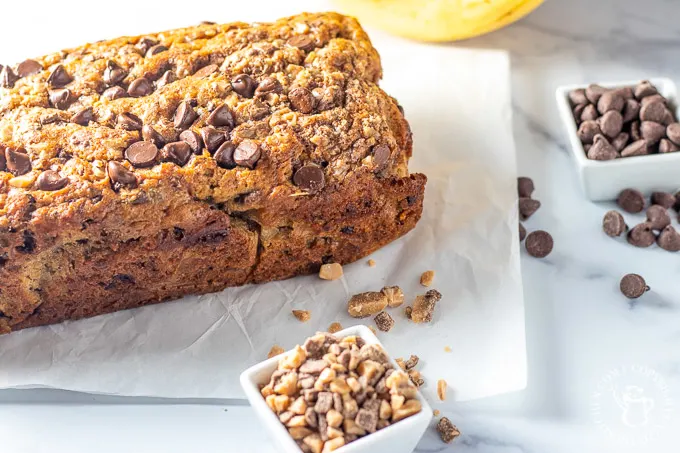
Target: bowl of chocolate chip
{"type": "Point", "coordinates": [623, 134]}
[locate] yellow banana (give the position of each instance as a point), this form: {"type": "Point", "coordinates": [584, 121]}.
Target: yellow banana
{"type": "Point", "coordinates": [438, 20]}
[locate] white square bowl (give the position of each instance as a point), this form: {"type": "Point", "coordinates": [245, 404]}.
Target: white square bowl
{"type": "Point", "coordinates": [603, 180]}
{"type": "Point", "coordinates": [401, 437]}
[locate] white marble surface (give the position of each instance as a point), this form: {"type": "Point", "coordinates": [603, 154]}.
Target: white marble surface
{"type": "Point", "coordinates": [583, 337]}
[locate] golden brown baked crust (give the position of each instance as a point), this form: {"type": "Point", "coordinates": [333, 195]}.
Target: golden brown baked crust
{"type": "Point", "coordinates": [88, 239]}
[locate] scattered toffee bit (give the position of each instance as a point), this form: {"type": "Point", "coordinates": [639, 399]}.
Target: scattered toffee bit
{"type": "Point", "coordinates": [641, 235]}
{"type": "Point", "coordinates": [274, 351]}
{"type": "Point", "coordinates": [525, 187]}
{"type": "Point", "coordinates": [371, 263]}
{"type": "Point", "coordinates": [614, 224]}
{"type": "Point", "coordinates": [331, 271]}
{"type": "Point", "coordinates": [366, 304]}
{"type": "Point", "coordinates": [394, 295]}
{"type": "Point", "coordinates": [539, 243]}
{"type": "Point", "coordinates": [244, 85]}
{"type": "Point", "coordinates": [335, 327]}
{"type": "Point", "coordinates": [631, 200]}
{"type": "Point", "coordinates": [522, 232]}
{"type": "Point", "coordinates": [302, 315]}
{"type": "Point", "coordinates": [416, 378]}
{"type": "Point", "coordinates": [447, 430]}
{"type": "Point", "coordinates": [50, 180]}
{"type": "Point", "coordinates": [408, 311]}
{"type": "Point", "coordinates": [427, 278]}
{"type": "Point", "coordinates": [633, 286]}
{"type": "Point", "coordinates": [441, 389]}
{"type": "Point", "coordinates": [372, 329]}
{"type": "Point", "coordinates": [423, 306]}
{"type": "Point", "coordinates": [412, 362]}
{"type": "Point", "coordinates": [657, 217]}
{"type": "Point", "coordinates": [436, 412]}
{"type": "Point", "coordinates": [447, 349]}
{"type": "Point", "coordinates": [669, 239]}
{"type": "Point", "coordinates": [384, 321]}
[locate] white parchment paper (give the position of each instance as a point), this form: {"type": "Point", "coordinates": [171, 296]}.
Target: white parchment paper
{"type": "Point", "coordinates": [458, 104]}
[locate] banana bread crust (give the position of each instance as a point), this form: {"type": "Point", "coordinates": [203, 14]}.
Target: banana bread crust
{"type": "Point", "coordinates": [80, 236]}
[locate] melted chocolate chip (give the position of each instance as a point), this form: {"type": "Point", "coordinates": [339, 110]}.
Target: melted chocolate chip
{"type": "Point", "coordinates": [381, 155]}
{"type": "Point", "coordinates": [144, 44]}
{"type": "Point", "coordinates": [51, 180]}
{"type": "Point", "coordinates": [244, 85]}
{"type": "Point", "coordinates": [205, 71]}
{"type": "Point", "coordinates": [18, 162]}
{"type": "Point", "coordinates": [7, 77]}
{"type": "Point", "coordinates": [185, 115]}
{"type": "Point", "coordinates": [192, 139]}
{"type": "Point", "coordinates": [142, 154]}
{"type": "Point", "coordinates": [222, 117]}
{"type": "Point", "coordinates": [28, 67]}
{"type": "Point", "coordinates": [60, 98]}
{"type": "Point", "coordinates": [310, 178]}
{"type": "Point", "coordinates": [114, 93]}
{"type": "Point", "coordinates": [302, 100]}
{"type": "Point", "coordinates": [247, 154]}
{"type": "Point", "coordinates": [176, 152]}
{"type": "Point", "coordinates": [212, 138]}
{"type": "Point", "coordinates": [59, 77]}
{"type": "Point", "coordinates": [268, 85]}
{"type": "Point", "coordinates": [121, 176]}
{"type": "Point", "coordinates": [155, 50]}
{"type": "Point", "coordinates": [3, 160]}
{"type": "Point", "coordinates": [303, 42]}
{"type": "Point", "coordinates": [113, 73]}
{"type": "Point", "coordinates": [129, 122]}
{"type": "Point", "coordinates": [149, 134]}
{"type": "Point", "coordinates": [167, 78]}
{"type": "Point", "coordinates": [140, 87]}
{"type": "Point", "coordinates": [224, 156]}
{"type": "Point", "coordinates": [83, 117]}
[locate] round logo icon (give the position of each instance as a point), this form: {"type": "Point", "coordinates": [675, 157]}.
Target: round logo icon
{"type": "Point", "coordinates": [632, 404]}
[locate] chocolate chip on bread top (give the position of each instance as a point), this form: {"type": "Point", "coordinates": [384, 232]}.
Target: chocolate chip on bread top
{"type": "Point", "coordinates": [146, 168]}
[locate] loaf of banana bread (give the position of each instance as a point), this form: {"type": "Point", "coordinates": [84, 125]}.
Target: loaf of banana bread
{"type": "Point", "coordinates": [146, 168]}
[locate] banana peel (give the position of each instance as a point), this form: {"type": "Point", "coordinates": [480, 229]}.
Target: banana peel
{"type": "Point", "coordinates": [438, 20]}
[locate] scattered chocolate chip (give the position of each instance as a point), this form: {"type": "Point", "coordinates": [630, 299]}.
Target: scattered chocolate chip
{"type": "Point", "coordinates": [522, 232]}
{"type": "Point", "coordinates": [539, 244]}
{"type": "Point", "coordinates": [144, 44]}
{"type": "Point", "coordinates": [222, 117]}
{"type": "Point", "coordinates": [247, 154]}
{"type": "Point", "coordinates": [59, 77]}
{"type": "Point", "coordinates": [17, 162]}
{"type": "Point", "coordinates": [212, 138]}
{"type": "Point", "coordinates": [525, 187]}
{"type": "Point", "coordinates": [7, 77]}
{"type": "Point", "coordinates": [113, 73]}
{"type": "Point", "coordinates": [155, 50]}
{"type": "Point", "coordinates": [644, 89]}
{"type": "Point", "coordinates": [667, 146]}
{"type": "Point", "coordinates": [268, 85]}
{"type": "Point", "coordinates": [578, 97]}
{"type": "Point", "coordinates": [653, 111]}
{"type": "Point", "coordinates": [60, 98]}
{"type": "Point", "coordinates": [641, 235]}
{"type": "Point", "coordinates": [381, 155]}
{"type": "Point", "coordinates": [140, 87]}
{"type": "Point", "coordinates": [114, 93]}
{"type": "Point", "coordinates": [167, 78]}
{"type": "Point", "coordinates": [244, 85]}
{"type": "Point", "coordinates": [657, 217]}
{"type": "Point", "coordinates": [588, 130]}
{"type": "Point", "coordinates": [594, 92]}
{"type": "Point", "coordinates": [633, 286]}
{"type": "Point", "coordinates": [83, 117]}
{"type": "Point", "coordinates": [610, 100]}
{"type": "Point", "coordinates": [28, 67]}
{"type": "Point", "coordinates": [602, 149]}
{"type": "Point", "coordinates": [130, 122]}
{"type": "Point", "coordinates": [620, 141]}
{"type": "Point", "coordinates": [205, 71]}
{"type": "Point", "coordinates": [652, 132]}
{"type": "Point", "coordinates": [192, 139]}
{"type": "Point", "coordinates": [303, 42]}
{"type": "Point", "coordinates": [665, 199]}
{"type": "Point", "coordinates": [185, 115]}
{"type": "Point", "coordinates": [224, 156]}
{"type": "Point", "coordinates": [631, 200]}
{"type": "Point", "coordinates": [310, 178]}
{"type": "Point", "coordinates": [302, 100]}
{"type": "Point", "coordinates": [142, 154]}
{"type": "Point", "coordinates": [613, 224]}
{"type": "Point", "coordinates": [631, 110]}
{"type": "Point", "coordinates": [527, 207]}
{"type": "Point", "coordinates": [51, 180]}
{"type": "Point", "coordinates": [673, 133]}
{"type": "Point", "coordinates": [669, 239]}
{"type": "Point", "coordinates": [611, 123]}
{"type": "Point", "coordinates": [589, 113]}
{"type": "Point", "coordinates": [637, 148]}
{"type": "Point", "coordinates": [121, 176]}
{"type": "Point", "coordinates": [176, 152]}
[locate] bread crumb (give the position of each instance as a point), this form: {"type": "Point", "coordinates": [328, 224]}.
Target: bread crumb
{"type": "Point", "coordinates": [371, 263]}
{"type": "Point", "coordinates": [335, 327]}
{"type": "Point", "coordinates": [447, 430]}
{"type": "Point", "coordinates": [441, 389]}
{"type": "Point", "coordinates": [447, 349]}
{"type": "Point", "coordinates": [332, 271]}
{"type": "Point", "coordinates": [436, 412]}
{"type": "Point", "coordinates": [274, 351]}
{"type": "Point", "coordinates": [384, 321]}
{"type": "Point", "coordinates": [426, 278]}
{"type": "Point", "coordinates": [302, 315]}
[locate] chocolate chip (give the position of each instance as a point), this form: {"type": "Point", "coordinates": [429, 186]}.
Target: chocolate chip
{"type": "Point", "coordinates": [522, 232]}
{"type": "Point", "coordinates": [303, 42]}
{"type": "Point", "coordinates": [631, 200]}
{"type": "Point", "coordinates": [142, 154]}
{"type": "Point", "coordinates": [28, 67]}
{"type": "Point", "coordinates": [667, 146]}
{"type": "Point", "coordinates": [578, 97]}
{"type": "Point", "coordinates": [527, 207]}
{"type": "Point", "coordinates": [578, 112]}
{"type": "Point", "coordinates": [3, 160]}
{"type": "Point", "coordinates": [669, 239]}
{"type": "Point", "coordinates": [7, 77]}
{"type": "Point", "coordinates": [610, 100]}
{"type": "Point", "coordinates": [653, 111]}
{"type": "Point", "coordinates": [635, 134]}
{"type": "Point", "coordinates": [205, 71]}
{"type": "Point", "coordinates": [588, 130]}
{"type": "Point", "coordinates": [224, 156]}
{"type": "Point", "coordinates": [59, 77]}
{"type": "Point", "coordinates": [51, 180]}
{"type": "Point", "coordinates": [130, 122]}
{"type": "Point", "coordinates": [185, 115]}
{"type": "Point", "coordinates": [113, 73]}
{"type": "Point", "coordinates": [121, 176]}
{"type": "Point", "coordinates": [613, 224]}
{"type": "Point", "coordinates": [222, 117]}
{"type": "Point", "coordinates": [594, 92]}
{"type": "Point", "coordinates": [212, 138]}
{"type": "Point", "coordinates": [176, 152]}
{"type": "Point", "coordinates": [61, 98]}
{"type": "Point", "coordinates": [611, 123]}
{"type": "Point", "coordinates": [625, 92]}
{"type": "Point", "coordinates": [620, 141]}
{"type": "Point", "coordinates": [525, 187]}
{"type": "Point", "coordinates": [192, 139]}
{"type": "Point", "coordinates": [539, 244]}
{"type": "Point", "coordinates": [644, 89]}
{"type": "Point", "coordinates": [155, 50]}
{"type": "Point", "coordinates": [668, 118]}
{"type": "Point", "coordinates": [310, 178]}
{"type": "Point", "coordinates": [302, 100]}
{"type": "Point", "coordinates": [652, 132]}
{"type": "Point", "coordinates": [150, 134]}
{"type": "Point", "coordinates": [167, 78]}
{"type": "Point", "coordinates": [641, 235]}
{"type": "Point", "coordinates": [83, 117]}
{"type": "Point", "coordinates": [18, 163]}
{"type": "Point", "coordinates": [602, 149]}
{"type": "Point", "coordinates": [657, 217]}
{"type": "Point", "coordinates": [114, 93]}
{"type": "Point", "coordinates": [381, 155]}
{"type": "Point", "coordinates": [673, 133]}
{"type": "Point", "coordinates": [652, 99]}
{"type": "Point", "coordinates": [637, 148]}
{"type": "Point", "coordinates": [633, 286]}
{"type": "Point", "coordinates": [140, 87]}
{"type": "Point", "coordinates": [664, 199]}
{"type": "Point", "coordinates": [244, 85]}
{"type": "Point", "coordinates": [631, 110]}
{"type": "Point", "coordinates": [268, 85]}
{"type": "Point", "coordinates": [247, 154]}
{"type": "Point", "coordinates": [144, 44]}
{"type": "Point", "coordinates": [589, 113]}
